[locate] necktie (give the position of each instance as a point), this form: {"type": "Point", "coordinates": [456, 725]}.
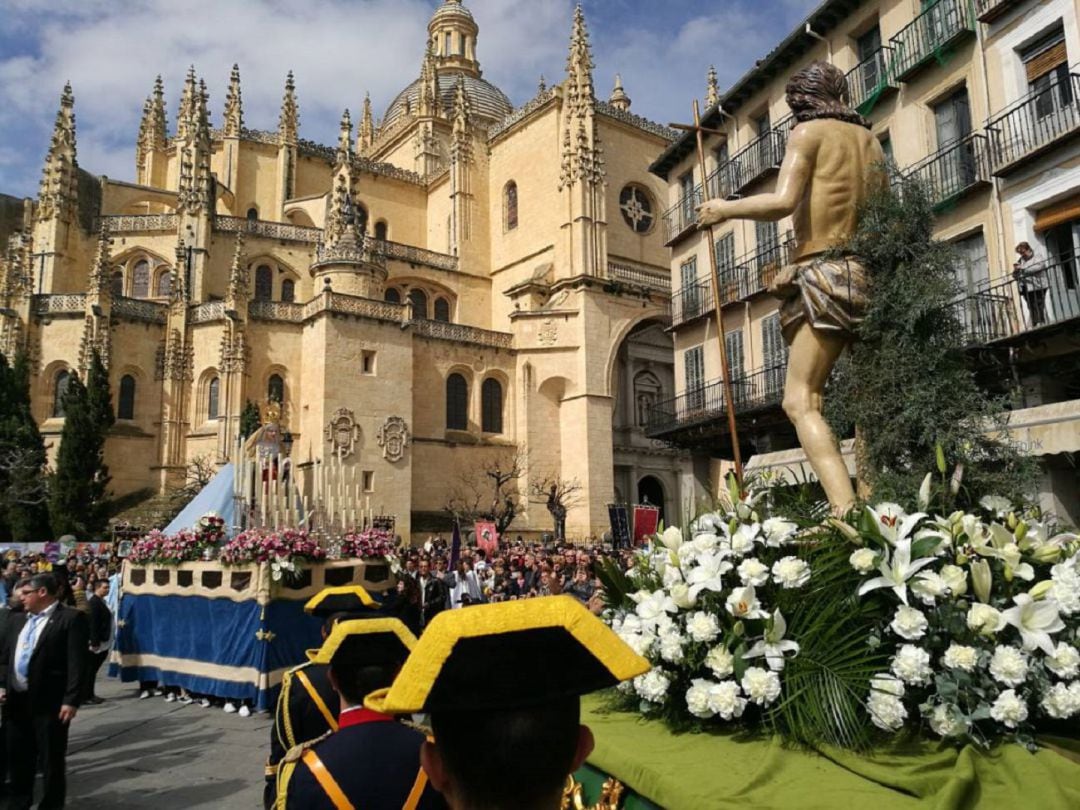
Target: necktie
{"type": "Point", "coordinates": [26, 650]}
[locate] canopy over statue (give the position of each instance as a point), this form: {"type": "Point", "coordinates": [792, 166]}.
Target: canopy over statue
{"type": "Point", "coordinates": [831, 165]}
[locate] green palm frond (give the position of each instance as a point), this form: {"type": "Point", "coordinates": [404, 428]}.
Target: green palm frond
{"type": "Point", "coordinates": [616, 584]}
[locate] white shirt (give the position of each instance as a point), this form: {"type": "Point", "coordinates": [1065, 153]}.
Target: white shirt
{"type": "Point", "coordinates": [18, 683]}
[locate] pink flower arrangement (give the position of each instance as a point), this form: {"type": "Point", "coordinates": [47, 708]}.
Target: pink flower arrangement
{"type": "Point", "coordinates": [261, 545]}
{"type": "Point", "coordinates": [368, 543]}
{"type": "Point", "coordinates": [187, 546]}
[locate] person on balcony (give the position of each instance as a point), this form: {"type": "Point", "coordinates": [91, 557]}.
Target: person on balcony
{"type": "Point", "coordinates": [1030, 273]}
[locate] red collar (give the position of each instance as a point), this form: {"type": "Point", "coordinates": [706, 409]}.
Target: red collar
{"type": "Point", "coordinates": [358, 715]}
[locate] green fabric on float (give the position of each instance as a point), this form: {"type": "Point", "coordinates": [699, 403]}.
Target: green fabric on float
{"type": "Point", "coordinates": [699, 771]}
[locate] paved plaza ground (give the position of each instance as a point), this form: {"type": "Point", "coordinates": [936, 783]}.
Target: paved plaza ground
{"type": "Point", "coordinates": [131, 754]}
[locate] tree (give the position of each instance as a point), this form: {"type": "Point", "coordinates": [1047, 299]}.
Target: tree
{"type": "Point", "coordinates": [249, 419]}
{"type": "Point", "coordinates": [558, 495]}
{"type": "Point", "coordinates": [199, 472]}
{"type": "Point", "coordinates": [24, 514]}
{"type": "Point", "coordinates": [908, 385]}
{"type": "Point", "coordinates": [78, 502]}
{"type": "Point", "coordinates": [488, 491]}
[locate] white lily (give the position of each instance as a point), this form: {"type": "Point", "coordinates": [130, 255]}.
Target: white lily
{"type": "Point", "coordinates": [1035, 620]}
{"type": "Point", "coordinates": [743, 604]}
{"type": "Point", "coordinates": [894, 523]}
{"type": "Point", "coordinates": [773, 645]}
{"type": "Point", "coordinates": [657, 603]}
{"type": "Point", "coordinates": [706, 575]}
{"type": "Point", "coordinates": [924, 491]}
{"type": "Point", "coordinates": [672, 538]}
{"type": "Point", "coordinates": [896, 572]}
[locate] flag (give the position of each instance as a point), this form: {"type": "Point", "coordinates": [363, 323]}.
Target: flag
{"type": "Point", "coordinates": [455, 546]}
{"type": "Point", "coordinates": [646, 519]}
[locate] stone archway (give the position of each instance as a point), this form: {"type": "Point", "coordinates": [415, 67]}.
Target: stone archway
{"type": "Point", "coordinates": [650, 490]}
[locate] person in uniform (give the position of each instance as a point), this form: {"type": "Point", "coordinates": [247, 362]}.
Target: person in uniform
{"type": "Point", "coordinates": [307, 706]}
{"type": "Point", "coordinates": [371, 761]}
{"type": "Point", "coordinates": [502, 683]}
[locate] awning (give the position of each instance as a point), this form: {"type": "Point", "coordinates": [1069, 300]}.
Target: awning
{"type": "Point", "coordinates": [1057, 213]}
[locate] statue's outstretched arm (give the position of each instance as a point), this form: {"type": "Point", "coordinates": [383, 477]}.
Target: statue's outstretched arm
{"type": "Point", "coordinates": [795, 171]}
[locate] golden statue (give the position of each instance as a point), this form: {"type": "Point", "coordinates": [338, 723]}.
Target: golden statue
{"type": "Point", "coordinates": [831, 165]}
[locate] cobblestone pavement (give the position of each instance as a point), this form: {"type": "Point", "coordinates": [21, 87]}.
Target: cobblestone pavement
{"type": "Point", "coordinates": [131, 754]}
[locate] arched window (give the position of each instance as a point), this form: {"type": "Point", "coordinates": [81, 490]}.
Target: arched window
{"type": "Point", "coordinates": [288, 290]}
{"type": "Point", "coordinates": [125, 408]}
{"type": "Point", "coordinates": [59, 391]}
{"type": "Point", "coordinates": [418, 299]}
{"type": "Point", "coordinates": [140, 279]}
{"type": "Point", "coordinates": [392, 295]}
{"type": "Point", "coordinates": [264, 283]}
{"type": "Point", "coordinates": [510, 203]}
{"type": "Point", "coordinates": [457, 403]}
{"type": "Point", "coordinates": [491, 406]}
{"type": "Point", "coordinates": [116, 284]}
{"type": "Point", "coordinates": [213, 389]}
{"type": "Point", "coordinates": [380, 229]}
{"type": "Point", "coordinates": [275, 389]}
{"type": "Point", "coordinates": [442, 310]}
{"type": "Point", "coordinates": [164, 284]}
{"type": "Point", "coordinates": [252, 214]}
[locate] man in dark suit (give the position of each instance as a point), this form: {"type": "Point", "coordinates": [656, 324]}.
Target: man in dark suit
{"type": "Point", "coordinates": [41, 681]}
{"type": "Point", "coordinates": [101, 619]}
{"type": "Point", "coordinates": [433, 593]}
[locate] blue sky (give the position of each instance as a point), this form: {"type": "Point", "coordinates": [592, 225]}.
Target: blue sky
{"type": "Point", "coordinates": [339, 49]}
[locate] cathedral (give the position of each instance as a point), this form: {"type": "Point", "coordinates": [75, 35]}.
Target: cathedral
{"type": "Point", "coordinates": [455, 281]}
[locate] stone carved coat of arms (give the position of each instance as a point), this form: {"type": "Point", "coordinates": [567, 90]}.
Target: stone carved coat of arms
{"type": "Point", "coordinates": [342, 433]}
{"type": "Point", "coordinates": [394, 438]}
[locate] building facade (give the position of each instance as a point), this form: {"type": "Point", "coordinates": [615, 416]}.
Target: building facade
{"type": "Point", "coordinates": [482, 277]}
{"type": "Point", "coordinates": [981, 100]}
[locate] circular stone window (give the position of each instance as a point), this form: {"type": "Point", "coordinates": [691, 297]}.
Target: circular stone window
{"type": "Point", "coordinates": [637, 208]}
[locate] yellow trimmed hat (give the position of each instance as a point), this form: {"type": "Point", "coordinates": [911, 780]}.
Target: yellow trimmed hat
{"type": "Point", "coordinates": [374, 641]}
{"type": "Point", "coordinates": [509, 655]}
{"type": "Point", "coordinates": [343, 599]}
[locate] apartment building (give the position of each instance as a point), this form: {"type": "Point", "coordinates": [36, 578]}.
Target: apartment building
{"type": "Point", "coordinates": [978, 98]}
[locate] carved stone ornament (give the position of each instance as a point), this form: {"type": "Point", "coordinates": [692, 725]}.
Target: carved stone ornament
{"type": "Point", "coordinates": [394, 438]}
{"type": "Point", "coordinates": [548, 332]}
{"type": "Point", "coordinates": [342, 433]}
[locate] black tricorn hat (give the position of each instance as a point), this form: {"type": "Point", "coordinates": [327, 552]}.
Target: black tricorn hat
{"type": "Point", "coordinates": [343, 599]}
{"type": "Point", "coordinates": [374, 641]}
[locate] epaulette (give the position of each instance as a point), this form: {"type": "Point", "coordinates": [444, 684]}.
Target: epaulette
{"type": "Point", "coordinates": [297, 751]}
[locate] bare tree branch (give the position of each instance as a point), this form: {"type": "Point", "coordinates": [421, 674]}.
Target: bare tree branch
{"type": "Point", "coordinates": [489, 491]}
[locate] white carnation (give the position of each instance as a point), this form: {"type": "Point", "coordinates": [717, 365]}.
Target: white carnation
{"type": "Point", "coordinates": [909, 623]}
{"type": "Point", "coordinates": [672, 576]}
{"type": "Point", "coordinates": [929, 586]}
{"type": "Point", "coordinates": [705, 543]}
{"type": "Point", "coordinates": [911, 664]}
{"type": "Point", "coordinates": [671, 648]}
{"type": "Point", "coordinates": [886, 708]}
{"type": "Point", "coordinates": [702, 626]}
{"type": "Point", "coordinates": [753, 571]}
{"type": "Point", "coordinates": [955, 578]}
{"type": "Point", "coordinates": [640, 643]}
{"type": "Point", "coordinates": [652, 686]}
{"type": "Point", "coordinates": [761, 685]}
{"type": "Point", "coordinates": [1009, 709]}
{"type": "Point", "coordinates": [863, 560]}
{"type": "Point", "coordinates": [725, 700]}
{"type": "Point", "coordinates": [1066, 587]}
{"type": "Point", "coordinates": [778, 531]}
{"type": "Point", "coordinates": [958, 656]}
{"type": "Point", "coordinates": [1065, 662]}
{"type": "Point", "coordinates": [946, 721]}
{"type": "Point", "coordinates": [1009, 666]}
{"type": "Point", "coordinates": [720, 661]}
{"type": "Point", "coordinates": [1061, 702]}
{"type": "Point", "coordinates": [791, 572]}
{"type": "Point", "coordinates": [985, 619]}
{"type": "Point", "coordinates": [697, 698]}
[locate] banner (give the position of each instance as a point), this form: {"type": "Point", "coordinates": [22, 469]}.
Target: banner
{"type": "Point", "coordinates": [619, 518]}
{"type": "Point", "coordinates": [487, 537]}
{"type": "Point", "coordinates": [455, 546]}
{"type": "Point", "coordinates": [52, 552]}
{"type": "Point", "coordinates": [646, 519]}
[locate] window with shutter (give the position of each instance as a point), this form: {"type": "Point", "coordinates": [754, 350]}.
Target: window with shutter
{"type": "Point", "coordinates": [733, 342]}
{"type": "Point", "coordinates": [725, 256]}
{"type": "Point", "coordinates": [775, 352]}
{"type": "Point", "coordinates": [694, 369]}
{"type": "Point", "coordinates": [1046, 64]}
{"type": "Point", "coordinates": [690, 294]}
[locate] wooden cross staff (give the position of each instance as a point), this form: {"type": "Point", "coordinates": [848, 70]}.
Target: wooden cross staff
{"type": "Point", "coordinates": [729, 399]}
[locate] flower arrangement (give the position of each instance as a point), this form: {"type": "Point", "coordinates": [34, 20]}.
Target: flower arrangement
{"type": "Point", "coordinates": [284, 550]}
{"type": "Point", "coordinates": [368, 543]}
{"type": "Point", "coordinates": [210, 529]}
{"type": "Point", "coordinates": [158, 548]}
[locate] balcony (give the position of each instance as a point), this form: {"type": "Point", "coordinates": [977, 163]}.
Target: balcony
{"type": "Point", "coordinates": [680, 218]}
{"type": "Point", "coordinates": [954, 170]}
{"type": "Point", "coordinates": [928, 36]}
{"type": "Point", "coordinates": [692, 301]}
{"type": "Point", "coordinates": [723, 182]}
{"type": "Point", "coordinates": [138, 223]}
{"type": "Point", "coordinates": [762, 155]}
{"type": "Point", "coordinates": [702, 410]}
{"type": "Point", "coordinates": [754, 272]}
{"type": "Point", "coordinates": [633, 274]}
{"type": "Point", "coordinates": [989, 10]}
{"type": "Point", "coordinates": [1034, 124]}
{"type": "Point", "coordinates": [1043, 297]}
{"type": "Point", "coordinates": [871, 79]}
{"type": "Point", "coordinates": [284, 231]}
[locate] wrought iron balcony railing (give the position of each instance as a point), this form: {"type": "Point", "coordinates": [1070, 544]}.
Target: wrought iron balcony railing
{"type": "Point", "coordinates": [1044, 294]}
{"type": "Point", "coordinates": [869, 79]}
{"type": "Point", "coordinates": [680, 218]}
{"type": "Point", "coordinates": [929, 35]}
{"type": "Point", "coordinates": [989, 10]}
{"type": "Point", "coordinates": [762, 155]}
{"type": "Point", "coordinates": [755, 271]}
{"type": "Point", "coordinates": [692, 301]}
{"type": "Point", "coordinates": [1035, 123]}
{"type": "Point", "coordinates": [954, 170]}
{"type": "Point", "coordinates": [752, 393]}
{"type": "Point", "coordinates": [723, 181]}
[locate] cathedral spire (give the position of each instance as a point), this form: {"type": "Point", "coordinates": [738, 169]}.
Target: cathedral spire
{"type": "Point", "coordinates": [619, 100]}
{"type": "Point", "coordinates": [238, 275]}
{"type": "Point", "coordinates": [461, 109]}
{"type": "Point", "coordinates": [153, 129]}
{"type": "Point", "coordinates": [366, 136]}
{"type": "Point", "coordinates": [289, 122]}
{"type": "Point", "coordinates": [178, 294]}
{"type": "Point", "coordinates": [58, 192]}
{"type": "Point", "coordinates": [344, 149]}
{"type": "Point", "coordinates": [187, 115]}
{"type": "Point", "coordinates": [234, 113]}
{"type": "Point", "coordinates": [429, 84]}
{"type": "Point", "coordinates": [712, 92]}
{"type": "Point", "coordinates": [101, 272]}
{"type": "Point", "coordinates": [579, 64]}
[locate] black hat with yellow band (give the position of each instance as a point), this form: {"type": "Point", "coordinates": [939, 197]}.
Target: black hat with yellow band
{"type": "Point", "coordinates": [366, 642]}
{"type": "Point", "coordinates": [509, 655]}
{"type": "Point", "coordinates": [343, 599]}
